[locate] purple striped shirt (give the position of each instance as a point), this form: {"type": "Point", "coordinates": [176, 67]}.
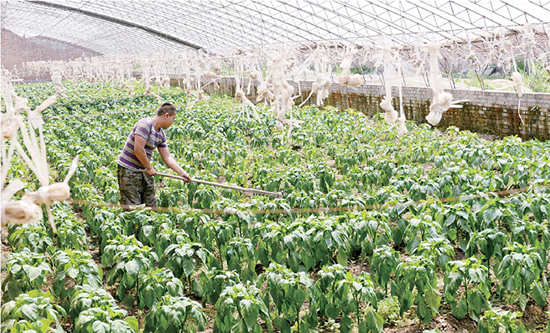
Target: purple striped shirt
{"type": "Point", "coordinates": [153, 138]}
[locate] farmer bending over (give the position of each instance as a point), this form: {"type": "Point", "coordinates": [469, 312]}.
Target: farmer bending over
{"type": "Point", "coordinates": [138, 187]}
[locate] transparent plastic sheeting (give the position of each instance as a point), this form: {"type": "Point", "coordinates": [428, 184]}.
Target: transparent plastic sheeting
{"type": "Point", "coordinates": [144, 27]}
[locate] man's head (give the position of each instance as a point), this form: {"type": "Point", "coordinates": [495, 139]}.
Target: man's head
{"type": "Point", "coordinates": [166, 114]}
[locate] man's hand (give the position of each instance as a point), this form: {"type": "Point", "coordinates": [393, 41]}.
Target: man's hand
{"type": "Point", "coordinates": [186, 177]}
{"type": "Point", "coordinates": [151, 171]}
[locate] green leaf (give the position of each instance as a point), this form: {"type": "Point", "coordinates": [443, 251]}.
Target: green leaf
{"type": "Point", "coordinates": [119, 326]}
{"type": "Point", "coordinates": [239, 327]}
{"type": "Point", "coordinates": [535, 208]}
{"type": "Point", "coordinates": [432, 298]}
{"type": "Point", "coordinates": [72, 272]}
{"type": "Point", "coordinates": [539, 295]}
{"type": "Point", "coordinates": [30, 311]}
{"type": "Point", "coordinates": [482, 327]}
{"type": "Point", "coordinates": [299, 297]}
{"type": "Point", "coordinates": [278, 321]}
{"type": "Point", "coordinates": [490, 215]}
{"type": "Point", "coordinates": [15, 269]}
{"type": "Point", "coordinates": [522, 298]}
{"type": "Point", "coordinates": [405, 302]}
{"type": "Point", "coordinates": [147, 297]}
{"type": "Point", "coordinates": [424, 312]}
{"type": "Point", "coordinates": [362, 326]}
{"type": "Point", "coordinates": [374, 322]}
{"type": "Point", "coordinates": [475, 302]}
{"type": "Point", "coordinates": [284, 326]}
{"type": "Point", "coordinates": [342, 258]}
{"type": "Point", "coordinates": [133, 322]}
{"type": "Point", "coordinates": [99, 327]}
{"type": "Point", "coordinates": [188, 265]}
{"type": "Point", "coordinates": [34, 272]}
{"type": "Point", "coordinates": [132, 268]}
{"type": "Point", "coordinates": [331, 311]}
{"type": "Point", "coordinates": [460, 309]}
{"type": "Point", "coordinates": [14, 288]}
{"type": "Point", "coordinates": [129, 300]}
{"type": "Point", "coordinates": [346, 324]}
{"type": "Point", "coordinates": [250, 312]}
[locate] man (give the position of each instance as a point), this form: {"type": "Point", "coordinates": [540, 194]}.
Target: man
{"type": "Point", "coordinates": [135, 172]}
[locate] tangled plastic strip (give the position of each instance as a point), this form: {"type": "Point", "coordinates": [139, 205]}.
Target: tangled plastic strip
{"type": "Point", "coordinates": [28, 210]}
{"type": "Point", "coordinates": [442, 101]}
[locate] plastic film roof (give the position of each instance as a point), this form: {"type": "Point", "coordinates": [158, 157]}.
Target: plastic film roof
{"type": "Point", "coordinates": [141, 27]}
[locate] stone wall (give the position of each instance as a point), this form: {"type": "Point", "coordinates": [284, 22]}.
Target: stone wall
{"type": "Point", "coordinates": [488, 112]}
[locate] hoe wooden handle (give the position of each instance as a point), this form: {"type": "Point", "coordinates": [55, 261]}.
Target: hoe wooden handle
{"type": "Point", "coordinates": [237, 188]}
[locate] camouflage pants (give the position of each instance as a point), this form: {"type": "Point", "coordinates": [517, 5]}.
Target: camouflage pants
{"type": "Point", "coordinates": [136, 188]}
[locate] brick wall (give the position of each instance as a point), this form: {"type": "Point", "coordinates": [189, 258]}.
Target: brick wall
{"type": "Point", "coordinates": [17, 50]}
{"type": "Point", "coordinates": [485, 112]}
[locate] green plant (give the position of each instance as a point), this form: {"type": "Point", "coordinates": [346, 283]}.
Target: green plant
{"type": "Point", "coordinates": [289, 291]}
{"type": "Point", "coordinates": [419, 229]}
{"type": "Point", "coordinates": [383, 264]}
{"type": "Point", "coordinates": [369, 233]}
{"type": "Point", "coordinates": [84, 297]}
{"type": "Point", "coordinates": [128, 258]}
{"type": "Point", "coordinates": [241, 257]}
{"type": "Point", "coordinates": [239, 308]}
{"type": "Point", "coordinates": [70, 231]}
{"type": "Point", "coordinates": [328, 236]}
{"type": "Point", "coordinates": [489, 242]}
{"type": "Point", "coordinates": [72, 235]}
{"type": "Point", "coordinates": [494, 321]}
{"type": "Point", "coordinates": [26, 271]}
{"type": "Point", "coordinates": [520, 270]}
{"type": "Point", "coordinates": [103, 321]}
{"type": "Point", "coordinates": [175, 314]}
{"type": "Point", "coordinates": [182, 258]}
{"type": "Point", "coordinates": [278, 243]}
{"type": "Point", "coordinates": [471, 274]}
{"type": "Point", "coordinates": [155, 284]}
{"type": "Point", "coordinates": [388, 309]}
{"type": "Point", "coordinates": [169, 236]}
{"type": "Point", "coordinates": [100, 218]}
{"type": "Point", "coordinates": [77, 267]}
{"type": "Point", "coordinates": [215, 235]}
{"type": "Point", "coordinates": [213, 282]}
{"type": "Point", "coordinates": [340, 293]}
{"type": "Point", "coordinates": [538, 78]}
{"type": "Point", "coordinates": [437, 249]}
{"type": "Point", "coordinates": [31, 311]}
{"type": "Point", "coordinates": [149, 228]}
{"type": "Point", "coordinates": [417, 273]}
{"type": "Point", "coordinates": [31, 236]}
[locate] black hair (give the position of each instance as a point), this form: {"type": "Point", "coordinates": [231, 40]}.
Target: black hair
{"type": "Point", "coordinates": [166, 108]}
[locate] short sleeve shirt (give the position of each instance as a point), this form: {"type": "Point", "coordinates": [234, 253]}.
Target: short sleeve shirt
{"type": "Point", "coordinates": [153, 139]}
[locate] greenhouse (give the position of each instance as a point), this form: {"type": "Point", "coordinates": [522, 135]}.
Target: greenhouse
{"type": "Point", "coordinates": [275, 166]}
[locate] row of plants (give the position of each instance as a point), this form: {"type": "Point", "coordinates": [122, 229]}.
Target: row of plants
{"type": "Point", "coordinates": [415, 203]}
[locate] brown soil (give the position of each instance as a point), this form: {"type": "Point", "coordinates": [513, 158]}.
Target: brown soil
{"type": "Point", "coordinates": [356, 269]}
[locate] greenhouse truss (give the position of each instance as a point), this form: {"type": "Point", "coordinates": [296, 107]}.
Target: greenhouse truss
{"type": "Point", "coordinates": [137, 27]}
{"type": "Point", "coordinates": [344, 166]}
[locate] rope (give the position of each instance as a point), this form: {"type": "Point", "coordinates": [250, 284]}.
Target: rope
{"type": "Point", "coordinates": [232, 211]}
{"type": "Point", "coordinates": [87, 115]}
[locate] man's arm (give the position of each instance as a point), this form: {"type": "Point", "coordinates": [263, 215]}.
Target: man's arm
{"type": "Point", "coordinates": [172, 164]}
{"type": "Point", "coordinates": [139, 150]}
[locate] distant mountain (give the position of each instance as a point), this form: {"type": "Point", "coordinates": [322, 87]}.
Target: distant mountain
{"type": "Point", "coordinates": [17, 50]}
